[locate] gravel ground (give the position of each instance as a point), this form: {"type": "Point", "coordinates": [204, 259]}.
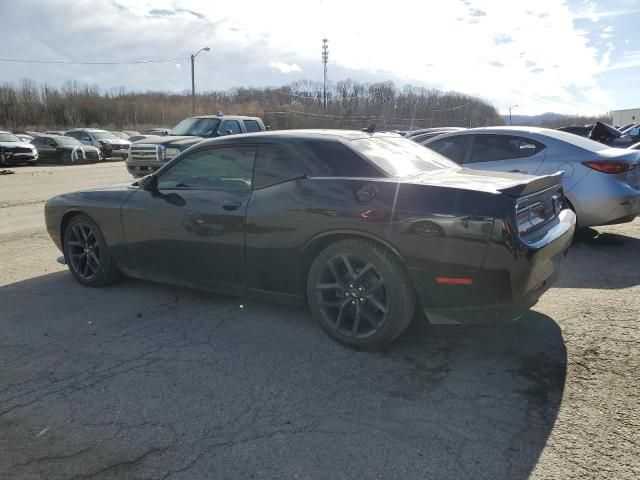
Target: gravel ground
{"type": "Point", "coordinates": [146, 381]}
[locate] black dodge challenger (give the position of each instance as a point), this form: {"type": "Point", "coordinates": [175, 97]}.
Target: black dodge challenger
{"type": "Point", "coordinates": [364, 227]}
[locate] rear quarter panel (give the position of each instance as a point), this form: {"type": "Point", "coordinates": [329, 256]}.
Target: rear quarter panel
{"type": "Point", "coordinates": [428, 227]}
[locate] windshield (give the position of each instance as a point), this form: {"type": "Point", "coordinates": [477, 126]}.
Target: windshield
{"type": "Point", "coordinates": [400, 157]}
{"type": "Point", "coordinates": [9, 137]}
{"type": "Point", "coordinates": [577, 140]}
{"type": "Point", "coordinates": [196, 127]}
{"type": "Point", "coordinates": [66, 141]}
{"type": "Point", "coordinates": [120, 135]}
{"type": "Point", "coordinates": [103, 135]}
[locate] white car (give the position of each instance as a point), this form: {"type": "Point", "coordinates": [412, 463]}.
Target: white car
{"type": "Point", "coordinates": [601, 184]}
{"type": "Point", "coordinates": [14, 151]}
{"type": "Point", "coordinates": [107, 142]}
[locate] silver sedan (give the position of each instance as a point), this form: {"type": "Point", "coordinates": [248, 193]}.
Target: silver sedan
{"type": "Point", "coordinates": [602, 184]}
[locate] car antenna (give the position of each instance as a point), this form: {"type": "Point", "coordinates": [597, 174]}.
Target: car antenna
{"type": "Point", "coordinates": [370, 129]}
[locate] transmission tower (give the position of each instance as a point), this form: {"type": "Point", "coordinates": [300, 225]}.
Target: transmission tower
{"type": "Point", "coordinates": [325, 58]}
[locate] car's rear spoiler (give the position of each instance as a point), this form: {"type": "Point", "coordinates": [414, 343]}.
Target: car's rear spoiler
{"type": "Point", "coordinates": [534, 185]}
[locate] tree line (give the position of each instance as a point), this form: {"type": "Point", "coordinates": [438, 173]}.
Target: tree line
{"type": "Point", "coordinates": [349, 104]}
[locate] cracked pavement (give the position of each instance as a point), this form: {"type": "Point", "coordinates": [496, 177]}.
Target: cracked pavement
{"type": "Point", "coordinates": [147, 381]}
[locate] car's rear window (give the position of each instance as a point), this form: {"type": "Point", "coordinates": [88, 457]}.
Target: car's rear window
{"type": "Point", "coordinates": [330, 158]}
{"type": "Point", "coordinates": [400, 157]}
{"type": "Point", "coordinates": [576, 140]}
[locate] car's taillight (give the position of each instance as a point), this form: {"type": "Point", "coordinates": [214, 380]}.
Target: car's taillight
{"type": "Point", "coordinates": [610, 166]}
{"type": "Point", "coordinates": [530, 216]}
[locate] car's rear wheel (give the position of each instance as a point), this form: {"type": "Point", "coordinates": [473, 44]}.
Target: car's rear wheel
{"type": "Point", "coordinates": [86, 253]}
{"type": "Point", "coordinates": [360, 293]}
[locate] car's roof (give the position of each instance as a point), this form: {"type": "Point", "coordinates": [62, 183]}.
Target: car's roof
{"type": "Point", "coordinates": [227, 117]}
{"type": "Point", "coordinates": [87, 129]}
{"type": "Point", "coordinates": [306, 134]}
{"type": "Point", "coordinates": [4, 131]}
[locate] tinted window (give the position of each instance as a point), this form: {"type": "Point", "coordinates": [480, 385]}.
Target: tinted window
{"type": "Point", "coordinates": [38, 141]}
{"type": "Point", "coordinates": [76, 135]}
{"type": "Point", "coordinates": [454, 148]}
{"type": "Point", "coordinates": [196, 127]}
{"type": "Point", "coordinates": [221, 168]}
{"type": "Point", "coordinates": [274, 165]}
{"type": "Point", "coordinates": [489, 148]}
{"type": "Point", "coordinates": [252, 126]}
{"type": "Point", "coordinates": [330, 158]}
{"type": "Point", "coordinates": [230, 125]}
{"type": "Point", "coordinates": [400, 157]}
{"type": "Point", "coordinates": [8, 137]}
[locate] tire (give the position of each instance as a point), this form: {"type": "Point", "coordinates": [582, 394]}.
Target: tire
{"type": "Point", "coordinates": [86, 253]}
{"type": "Point", "coordinates": [370, 286]}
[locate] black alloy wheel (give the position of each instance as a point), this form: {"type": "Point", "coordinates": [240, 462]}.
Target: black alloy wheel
{"type": "Point", "coordinates": [83, 251]}
{"type": "Point", "coordinates": [352, 296]}
{"type": "Point", "coordinates": [86, 253]}
{"type": "Point", "coordinates": [360, 293]}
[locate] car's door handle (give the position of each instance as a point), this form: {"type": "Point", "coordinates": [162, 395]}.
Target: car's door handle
{"type": "Point", "coordinates": [231, 204]}
{"type": "Point", "coordinates": [516, 171]}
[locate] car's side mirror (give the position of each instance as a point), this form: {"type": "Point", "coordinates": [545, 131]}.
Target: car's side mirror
{"type": "Point", "coordinates": [149, 183]}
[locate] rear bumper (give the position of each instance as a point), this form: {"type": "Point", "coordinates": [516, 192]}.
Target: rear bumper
{"type": "Point", "coordinates": [513, 277]}
{"type": "Point", "coordinates": [605, 203]}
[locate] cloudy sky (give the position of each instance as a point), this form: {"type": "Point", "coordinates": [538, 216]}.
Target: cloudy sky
{"type": "Point", "coordinates": [575, 57]}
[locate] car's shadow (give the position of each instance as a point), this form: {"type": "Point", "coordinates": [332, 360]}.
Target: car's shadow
{"type": "Point", "coordinates": [140, 379]}
{"type": "Point", "coordinates": [601, 260]}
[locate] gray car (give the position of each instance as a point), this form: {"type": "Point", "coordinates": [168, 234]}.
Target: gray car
{"type": "Point", "coordinates": [601, 184]}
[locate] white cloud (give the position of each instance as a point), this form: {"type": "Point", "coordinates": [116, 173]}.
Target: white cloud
{"type": "Point", "coordinates": [285, 67]}
{"type": "Point", "coordinates": [532, 55]}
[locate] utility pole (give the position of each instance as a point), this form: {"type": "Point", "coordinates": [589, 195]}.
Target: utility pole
{"type": "Point", "coordinates": [512, 106]}
{"type": "Point", "coordinates": [325, 58]}
{"type": "Point", "coordinates": [193, 79]}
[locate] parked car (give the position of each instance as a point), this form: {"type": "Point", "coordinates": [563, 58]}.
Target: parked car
{"type": "Point", "coordinates": [602, 184]}
{"type": "Point", "coordinates": [24, 137]}
{"type": "Point", "coordinates": [14, 151]}
{"type": "Point", "coordinates": [581, 130]}
{"type": "Point", "coordinates": [54, 132]}
{"type": "Point", "coordinates": [131, 133]}
{"type": "Point", "coordinates": [338, 219]}
{"type": "Point", "coordinates": [63, 149]}
{"type": "Point", "coordinates": [607, 134]}
{"type": "Point", "coordinates": [148, 155]}
{"type": "Point", "coordinates": [157, 131]}
{"type": "Point", "coordinates": [424, 136]}
{"type": "Point", "coordinates": [110, 146]}
{"type": "Point", "coordinates": [431, 131]}
{"type": "Point", "coordinates": [121, 135]}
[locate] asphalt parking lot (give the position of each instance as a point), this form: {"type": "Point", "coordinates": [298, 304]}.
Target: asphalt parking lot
{"type": "Point", "coordinates": [147, 381]}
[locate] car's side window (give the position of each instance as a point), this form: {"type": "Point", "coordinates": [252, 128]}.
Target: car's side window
{"type": "Point", "coordinates": [75, 135]}
{"type": "Point", "coordinates": [487, 148]}
{"type": "Point", "coordinates": [454, 148]}
{"type": "Point", "coordinates": [230, 126]}
{"type": "Point", "coordinates": [37, 142]}
{"type": "Point", "coordinates": [274, 165]}
{"type": "Point", "coordinates": [85, 137]}
{"type": "Point", "coordinates": [251, 125]}
{"type": "Point", "coordinates": [228, 168]}
{"type": "Point", "coordinates": [322, 158]}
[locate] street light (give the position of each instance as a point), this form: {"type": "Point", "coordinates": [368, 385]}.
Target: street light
{"type": "Point", "coordinates": [512, 106]}
{"type": "Point", "coordinates": [193, 80]}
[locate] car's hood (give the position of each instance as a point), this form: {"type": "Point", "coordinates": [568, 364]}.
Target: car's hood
{"type": "Point", "coordinates": [116, 141]}
{"type": "Point", "coordinates": [513, 184]}
{"type": "Point", "coordinates": [169, 140]}
{"type": "Point", "coordinates": [16, 144]}
{"type": "Point", "coordinates": [602, 132]}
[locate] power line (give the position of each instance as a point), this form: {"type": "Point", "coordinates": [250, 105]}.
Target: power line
{"type": "Point", "coordinates": [66, 62]}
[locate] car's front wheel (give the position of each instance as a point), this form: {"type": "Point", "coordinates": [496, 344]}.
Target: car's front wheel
{"type": "Point", "coordinates": [86, 253]}
{"type": "Point", "coordinates": [360, 293]}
